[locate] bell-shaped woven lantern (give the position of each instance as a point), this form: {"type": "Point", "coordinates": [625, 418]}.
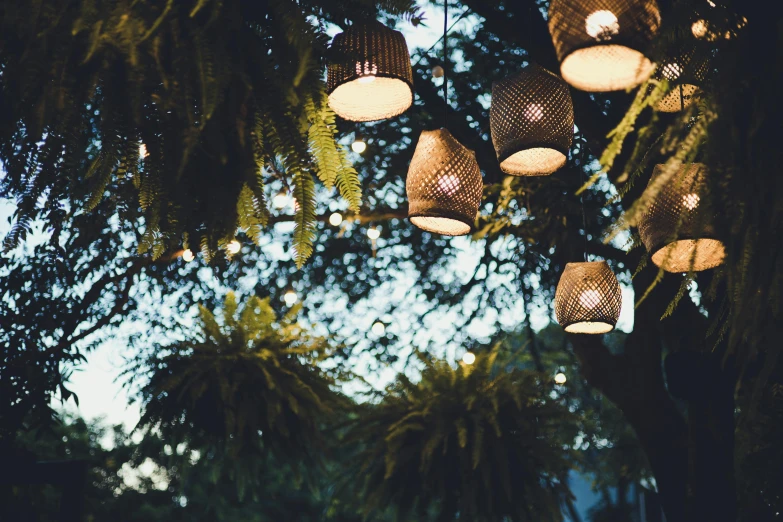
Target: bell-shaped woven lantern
{"type": "Point", "coordinates": [601, 43]}
{"type": "Point", "coordinates": [677, 229]}
{"type": "Point", "coordinates": [588, 298]}
{"type": "Point", "coordinates": [369, 76]}
{"type": "Point", "coordinates": [685, 70]}
{"type": "Point", "coordinates": [532, 122]}
{"type": "Point", "coordinates": [444, 185]}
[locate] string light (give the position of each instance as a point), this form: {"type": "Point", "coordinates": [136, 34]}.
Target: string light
{"type": "Point", "coordinates": [335, 219]}
{"type": "Point", "coordinates": [469, 358]}
{"type": "Point", "coordinates": [290, 297]}
{"type": "Point", "coordinates": [280, 200]}
{"type": "Point", "coordinates": [233, 247]}
{"type": "Point", "coordinates": [143, 151]}
{"type": "Point", "coordinates": [437, 72]}
{"type": "Point", "coordinates": [560, 378]}
{"type": "Point", "coordinates": [373, 233]}
{"type": "Point", "coordinates": [358, 146]}
{"type": "Point", "coordinates": [187, 255]}
{"type": "Point", "coordinates": [378, 328]}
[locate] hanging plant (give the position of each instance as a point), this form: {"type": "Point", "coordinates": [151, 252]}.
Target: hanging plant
{"type": "Point", "coordinates": [480, 442]}
{"type": "Point", "coordinates": [245, 383]}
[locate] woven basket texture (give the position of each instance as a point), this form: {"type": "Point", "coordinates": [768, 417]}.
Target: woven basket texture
{"type": "Point", "coordinates": [532, 122]}
{"type": "Point", "coordinates": [677, 229]}
{"type": "Point", "coordinates": [369, 76]}
{"type": "Point", "coordinates": [588, 298]}
{"type": "Point", "coordinates": [601, 44]}
{"type": "Point", "coordinates": [444, 185]}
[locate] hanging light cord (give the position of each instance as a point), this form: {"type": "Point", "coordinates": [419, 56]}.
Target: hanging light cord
{"type": "Point", "coordinates": [582, 195]}
{"type": "Point", "coordinates": [445, 59]}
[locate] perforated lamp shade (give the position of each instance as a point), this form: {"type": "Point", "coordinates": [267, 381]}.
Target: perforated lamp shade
{"type": "Point", "coordinates": [444, 185]}
{"type": "Point", "coordinates": [532, 122]}
{"type": "Point", "coordinates": [369, 75]}
{"type": "Point", "coordinates": [685, 71]}
{"type": "Point", "coordinates": [678, 229]}
{"type": "Point", "coordinates": [588, 298]}
{"type": "Point", "coordinates": [601, 44]}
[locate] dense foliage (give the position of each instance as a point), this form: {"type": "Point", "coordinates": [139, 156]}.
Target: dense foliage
{"type": "Point", "coordinates": [227, 99]}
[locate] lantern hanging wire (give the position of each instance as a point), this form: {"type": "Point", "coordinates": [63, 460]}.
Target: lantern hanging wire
{"type": "Point", "coordinates": [444, 184]}
{"type": "Point", "coordinates": [532, 122]}
{"type": "Point", "coordinates": [588, 299]}
{"type": "Point", "coordinates": [678, 228]}
{"type": "Point", "coordinates": [369, 75]}
{"type": "Point", "coordinates": [601, 44]}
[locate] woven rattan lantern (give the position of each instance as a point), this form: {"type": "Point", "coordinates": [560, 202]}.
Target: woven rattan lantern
{"type": "Point", "coordinates": [369, 77]}
{"type": "Point", "coordinates": [532, 122]}
{"type": "Point", "coordinates": [588, 298]}
{"type": "Point", "coordinates": [685, 71]}
{"type": "Point", "coordinates": [601, 43]}
{"type": "Point", "coordinates": [444, 185]}
{"type": "Point", "coordinates": [678, 228]}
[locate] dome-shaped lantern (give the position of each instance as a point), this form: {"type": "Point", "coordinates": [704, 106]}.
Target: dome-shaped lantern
{"type": "Point", "coordinates": [369, 75]}
{"type": "Point", "coordinates": [685, 70]}
{"type": "Point", "coordinates": [677, 229]}
{"type": "Point", "coordinates": [444, 185]}
{"type": "Point", "coordinates": [588, 298]}
{"type": "Point", "coordinates": [601, 43]}
{"type": "Point", "coordinates": [532, 122]}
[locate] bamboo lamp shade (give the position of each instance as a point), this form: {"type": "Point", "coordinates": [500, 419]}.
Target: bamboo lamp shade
{"type": "Point", "coordinates": [369, 76]}
{"type": "Point", "coordinates": [685, 71]}
{"type": "Point", "coordinates": [444, 185]}
{"type": "Point", "coordinates": [532, 122]}
{"type": "Point", "coordinates": [588, 298]}
{"type": "Point", "coordinates": [678, 229]}
{"type": "Point", "coordinates": [601, 44]}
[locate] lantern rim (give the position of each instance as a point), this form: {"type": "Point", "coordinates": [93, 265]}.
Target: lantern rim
{"type": "Point", "coordinates": [374, 111]}
{"type": "Point", "coordinates": [589, 327]}
{"type": "Point", "coordinates": [644, 68]}
{"type": "Point", "coordinates": [690, 91]}
{"type": "Point", "coordinates": [677, 256]}
{"type": "Point", "coordinates": [427, 221]}
{"type": "Point", "coordinates": [562, 159]}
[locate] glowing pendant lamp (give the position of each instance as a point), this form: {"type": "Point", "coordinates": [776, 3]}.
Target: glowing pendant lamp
{"type": "Point", "coordinates": [444, 185]}
{"type": "Point", "coordinates": [601, 43]}
{"type": "Point", "coordinates": [685, 72]}
{"type": "Point", "coordinates": [369, 77]}
{"type": "Point", "coordinates": [678, 229]}
{"type": "Point", "coordinates": [588, 298]}
{"type": "Point", "coordinates": [532, 122]}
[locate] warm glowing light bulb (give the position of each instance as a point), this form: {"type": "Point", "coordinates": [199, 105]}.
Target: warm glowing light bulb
{"type": "Point", "coordinates": [534, 112]}
{"type": "Point", "coordinates": [358, 146]}
{"type": "Point", "coordinates": [691, 201]}
{"type": "Point", "coordinates": [449, 184]}
{"type": "Point", "coordinates": [590, 299]}
{"type": "Point", "coordinates": [187, 255]}
{"type": "Point", "coordinates": [290, 298]}
{"type": "Point", "coordinates": [560, 378]}
{"type": "Point", "coordinates": [378, 328]}
{"type": "Point", "coordinates": [699, 28]}
{"type": "Point", "coordinates": [143, 151]}
{"type": "Point", "coordinates": [672, 71]}
{"type": "Point", "coordinates": [373, 233]}
{"type": "Point", "coordinates": [233, 247]}
{"type": "Point", "coordinates": [280, 200]}
{"type": "Point", "coordinates": [469, 358]}
{"type": "Point", "coordinates": [367, 79]}
{"type": "Point", "coordinates": [602, 25]}
{"type": "Point", "coordinates": [335, 219]}
{"type": "Point", "coordinates": [438, 72]}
